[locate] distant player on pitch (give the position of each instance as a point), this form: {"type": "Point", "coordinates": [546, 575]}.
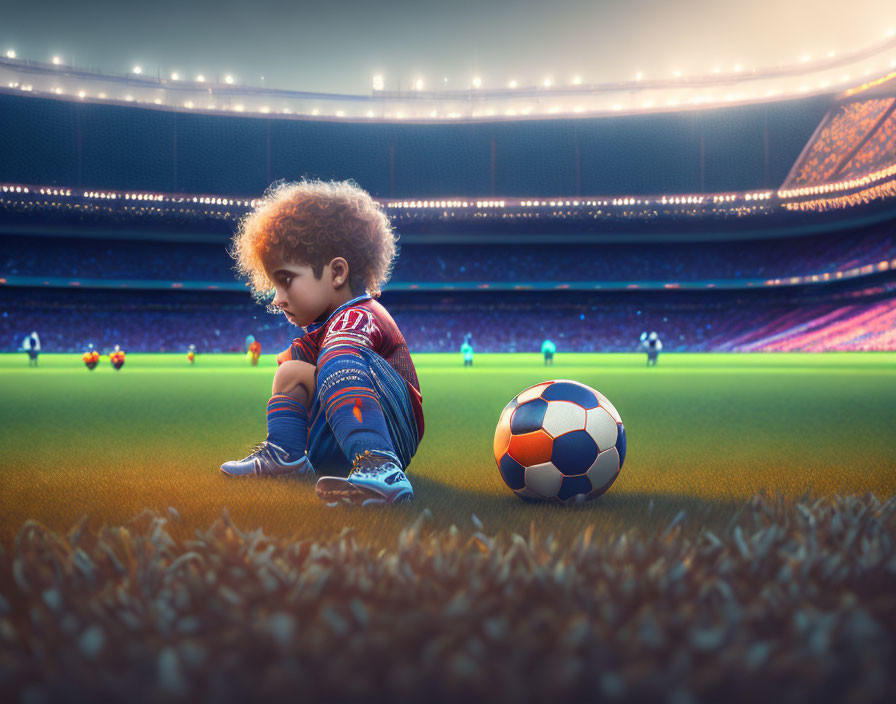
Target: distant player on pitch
{"type": "Point", "coordinates": [91, 357]}
{"type": "Point", "coordinates": [547, 349]}
{"type": "Point", "coordinates": [324, 249]}
{"type": "Point", "coordinates": [116, 357]}
{"type": "Point", "coordinates": [31, 345]}
{"type": "Point", "coordinates": [653, 346]}
{"type": "Point", "coordinates": [466, 351]}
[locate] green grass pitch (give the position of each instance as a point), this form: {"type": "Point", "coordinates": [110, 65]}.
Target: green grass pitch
{"type": "Point", "coordinates": [705, 432]}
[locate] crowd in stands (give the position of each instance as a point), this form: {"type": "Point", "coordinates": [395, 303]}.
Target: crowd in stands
{"type": "Point", "coordinates": [611, 262]}
{"type": "Point", "coordinates": [842, 133]}
{"type": "Point", "coordinates": [68, 321]}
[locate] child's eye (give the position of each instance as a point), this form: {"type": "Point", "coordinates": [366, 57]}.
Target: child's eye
{"type": "Point", "coordinates": [287, 280]}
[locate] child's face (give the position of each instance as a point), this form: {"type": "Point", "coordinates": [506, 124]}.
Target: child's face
{"type": "Point", "coordinates": [301, 296]}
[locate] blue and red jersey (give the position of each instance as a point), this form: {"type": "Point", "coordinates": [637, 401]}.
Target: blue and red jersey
{"type": "Point", "coordinates": [361, 322]}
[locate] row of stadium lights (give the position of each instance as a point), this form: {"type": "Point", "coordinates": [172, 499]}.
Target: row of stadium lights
{"type": "Point", "coordinates": [487, 204]}
{"type": "Point", "coordinates": [491, 112]}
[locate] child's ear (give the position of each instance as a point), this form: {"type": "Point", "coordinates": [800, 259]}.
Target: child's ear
{"type": "Point", "coordinates": [339, 267]}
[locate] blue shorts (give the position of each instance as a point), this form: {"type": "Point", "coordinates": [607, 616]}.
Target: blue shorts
{"type": "Point", "coordinates": [391, 389]}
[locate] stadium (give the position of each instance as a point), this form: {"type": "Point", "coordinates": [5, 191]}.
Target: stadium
{"type": "Point", "coordinates": [746, 548]}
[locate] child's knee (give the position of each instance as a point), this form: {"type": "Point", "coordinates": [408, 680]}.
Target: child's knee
{"type": "Point", "coordinates": [296, 379]}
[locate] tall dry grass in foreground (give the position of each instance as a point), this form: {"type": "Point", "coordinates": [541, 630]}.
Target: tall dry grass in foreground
{"type": "Point", "coordinates": [795, 601]}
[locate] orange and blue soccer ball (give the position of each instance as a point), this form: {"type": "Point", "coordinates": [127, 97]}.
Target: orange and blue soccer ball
{"type": "Point", "coordinates": [559, 441]}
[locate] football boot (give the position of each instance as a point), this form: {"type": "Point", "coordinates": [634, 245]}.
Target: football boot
{"type": "Point", "coordinates": [268, 460]}
{"type": "Point", "coordinates": [375, 480]}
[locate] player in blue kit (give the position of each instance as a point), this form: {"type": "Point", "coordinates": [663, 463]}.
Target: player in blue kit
{"type": "Point", "coordinates": [346, 404]}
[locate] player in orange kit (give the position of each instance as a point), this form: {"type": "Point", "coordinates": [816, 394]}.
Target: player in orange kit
{"type": "Point", "coordinates": [91, 357]}
{"type": "Point", "coordinates": [191, 354]}
{"type": "Point", "coordinates": [116, 356]}
{"type": "Point", "coordinates": [255, 352]}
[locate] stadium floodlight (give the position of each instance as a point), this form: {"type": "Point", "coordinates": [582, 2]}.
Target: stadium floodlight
{"type": "Point", "coordinates": [717, 70]}
{"type": "Point", "coordinates": [677, 73]}
{"type": "Point", "coordinates": [434, 113]}
{"type": "Point", "coordinates": [200, 78]}
{"type": "Point", "coordinates": [239, 107]}
{"type": "Point", "coordinates": [189, 104]}
{"type": "Point", "coordinates": [891, 32]}
{"type": "Point", "coordinates": [737, 68]}
{"type": "Point", "coordinates": [512, 84]}
{"type": "Point", "coordinates": [577, 80]}
{"type": "Point", "coordinates": [340, 113]}
{"type": "Point", "coordinates": [129, 98]}
{"type": "Point", "coordinates": [56, 61]}
{"type": "Point", "coordinates": [477, 82]}
{"type": "Point", "coordinates": [157, 101]}
{"type": "Point", "coordinates": [103, 96]}
{"type": "Point", "coordinates": [228, 79]}
{"type": "Point", "coordinates": [370, 113]}
{"type": "Point", "coordinates": [82, 94]}
{"type": "Point", "coordinates": [832, 54]}
{"type": "Point", "coordinates": [57, 91]}
{"type": "Point", "coordinates": [419, 84]}
{"type": "Point", "coordinates": [10, 54]}
{"type": "Point", "coordinates": [378, 82]}
{"type": "Point", "coordinates": [639, 76]}
{"type": "Point", "coordinates": [265, 109]}
{"type": "Point", "coordinates": [175, 76]}
{"type": "Point", "coordinates": [805, 59]}
{"type": "Point", "coordinates": [138, 70]}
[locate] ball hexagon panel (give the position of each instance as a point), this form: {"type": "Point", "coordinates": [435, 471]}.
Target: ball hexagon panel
{"type": "Point", "coordinates": [571, 487]}
{"type": "Point", "coordinates": [601, 426]}
{"type": "Point", "coordinates": [611, 409]}
{"type": "Point", "coordinates": [544, 479]}
{"type": "Point", "coordinates": [565, 390]}
{"type": "Point", "coordinates": [562, 417]}
{"type": "Point", "coordinates": [574, 453]}
{"type": "Point", "coordinates": [513, 473]}
{"type": "Point", "coordinates": [528, 417]}
{"type": "Point", "coordinates": [604, 470]}
{"type": "Point", "coordinates": [531, 392]}
{"type": "Point", "coordinates": [531, 448]}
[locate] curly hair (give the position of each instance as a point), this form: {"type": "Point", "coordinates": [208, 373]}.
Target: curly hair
{"type": "Point", "coordinates": [310, 222]}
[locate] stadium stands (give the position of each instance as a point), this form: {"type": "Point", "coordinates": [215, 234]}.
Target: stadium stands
{"type": "Point", "coordinates": [509, 262]}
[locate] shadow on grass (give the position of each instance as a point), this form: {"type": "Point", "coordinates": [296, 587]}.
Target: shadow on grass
{"type": "Point", "coordinates": [615, 510]}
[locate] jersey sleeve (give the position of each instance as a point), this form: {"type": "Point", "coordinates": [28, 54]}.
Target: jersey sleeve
{"type": "Point", "coordinates": [353, 327]}
{"type": "Point", "coordinates": [301, 350]}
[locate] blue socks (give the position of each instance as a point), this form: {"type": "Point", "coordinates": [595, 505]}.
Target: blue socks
{"type": "Point", "coordinates": [288, 424]}
{"type": "Point", "coordinates": [351, 406]}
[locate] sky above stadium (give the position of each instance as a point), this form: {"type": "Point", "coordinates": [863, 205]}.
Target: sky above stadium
{"type": "Point", "coordinates": [339, 45]}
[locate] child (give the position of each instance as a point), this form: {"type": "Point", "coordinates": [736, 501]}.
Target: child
{"type": "Point", "coordinates": [346, 402]}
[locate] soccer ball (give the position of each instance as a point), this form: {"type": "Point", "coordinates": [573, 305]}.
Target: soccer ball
{"type": "Point", "coordinates": [559, 441]}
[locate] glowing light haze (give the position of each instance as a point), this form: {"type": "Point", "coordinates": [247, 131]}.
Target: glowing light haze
{"type": "Point", "coordinates": [340, 45]}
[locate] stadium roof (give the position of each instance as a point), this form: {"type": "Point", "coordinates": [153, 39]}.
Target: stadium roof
{"type": "Point", "coordinates": [838, 75]}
